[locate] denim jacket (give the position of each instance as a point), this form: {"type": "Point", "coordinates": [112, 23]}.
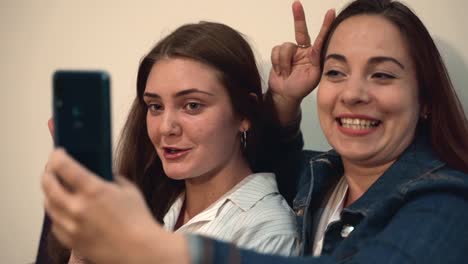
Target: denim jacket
{"type": "Point", "coordinates": [416, 212]}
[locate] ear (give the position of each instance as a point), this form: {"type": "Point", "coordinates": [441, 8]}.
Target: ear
{"type": "Point", "coordinates": [245, 123]}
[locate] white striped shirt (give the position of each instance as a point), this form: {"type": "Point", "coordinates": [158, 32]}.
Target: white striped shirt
{"type": "Point", "coordinates": [252, 215]}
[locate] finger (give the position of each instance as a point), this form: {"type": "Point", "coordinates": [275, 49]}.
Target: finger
{"type": "Point", "coordinates": [300, 25]}
{"type": "Point", "coordinates": [286, 55]}
{"type": "Point", "coordinates": [318, 43]}
{"type": "Point", "coordinates": [50, 124]}
{"type": "Point", "coordinates": [275, 59]}
{"type": "Point", "coordinates": [71, 172]}
{"type": "Point", "coordinates": [58, 202]}
{"type": "Point", "coordinates": [54, 191]}
{"type": "Point", "coordinates": [62, 236]}
{"type": "Point", "coordinates": [60, 219]}
{"type": "Point", "coordinates": [273, 78]}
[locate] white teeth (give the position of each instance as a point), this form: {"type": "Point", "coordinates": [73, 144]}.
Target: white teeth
{"type": "Point", "coordinates": [356, 123]}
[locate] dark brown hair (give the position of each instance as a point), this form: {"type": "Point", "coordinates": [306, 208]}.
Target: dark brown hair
{"type": "Point", "coordinates": [228, 53]}
{"type": "Point", "coordinates": [446, 123]}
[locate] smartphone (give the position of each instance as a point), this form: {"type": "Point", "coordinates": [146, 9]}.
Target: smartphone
{"type": "Point", "coordinates": [82, 118]}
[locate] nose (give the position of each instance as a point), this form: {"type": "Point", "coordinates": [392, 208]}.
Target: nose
{"type": "Point", "coordinates": [355, 92]}
{"type": "Point", "coordinates": [169, 125]}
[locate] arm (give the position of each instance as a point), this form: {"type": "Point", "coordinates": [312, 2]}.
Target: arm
{"type": "Point", "coordinates": [105, 222]}
{"type": "Point", "coordinates": [428, 229]}
{"type": "Point", "coordinates": [295, 73]}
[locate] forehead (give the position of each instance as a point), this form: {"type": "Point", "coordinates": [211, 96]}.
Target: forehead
{"type": "Point", "coordinates": [367, 36]}
{"type": "Point", "coordinates": [171, 75]}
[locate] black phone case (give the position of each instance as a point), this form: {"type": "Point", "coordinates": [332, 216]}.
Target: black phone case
{"type": "Point", "coordinates": [81, 106]}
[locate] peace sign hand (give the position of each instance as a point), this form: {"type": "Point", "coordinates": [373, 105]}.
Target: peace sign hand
{"type": "Point", "coordinates": [296, 67]}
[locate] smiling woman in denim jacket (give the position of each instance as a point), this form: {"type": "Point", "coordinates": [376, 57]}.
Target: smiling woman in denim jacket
{"type": "Point", "coordinates": [394, 189]}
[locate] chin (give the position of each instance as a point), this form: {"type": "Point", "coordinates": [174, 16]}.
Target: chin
{"type": "Point", "coordinates": [353, 155]}
{"type": "Point", "coordinates": [176, 174]}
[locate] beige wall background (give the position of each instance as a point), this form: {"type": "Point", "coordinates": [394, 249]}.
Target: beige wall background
{"type": "Point", "coordinates": [38, 37]}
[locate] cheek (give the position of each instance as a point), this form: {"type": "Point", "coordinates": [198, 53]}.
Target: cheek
{"type": "Point", "coordinates": [400, 101]}
{"type": "Point", "coordinates": [217, 133]}
{"type": "Point", "coordinates": [326, 98]}
{"type": "Point", "coordinates": [152, 129]}
{"type": "Point", "coordinates": [325, 109]}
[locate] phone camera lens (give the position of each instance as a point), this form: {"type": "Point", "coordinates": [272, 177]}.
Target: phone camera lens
{"type": "Point", "coordinates": [76, 112]}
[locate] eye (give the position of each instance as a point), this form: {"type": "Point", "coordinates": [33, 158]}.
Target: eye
{"type": "Point", "coordinates": [333, 74]}
{"type": "Point", "coordinates": [382, 76]}
{"type": "Point", "coordinates": [154, 108]}
{"type": "Point", "coordinates": [193, 107]}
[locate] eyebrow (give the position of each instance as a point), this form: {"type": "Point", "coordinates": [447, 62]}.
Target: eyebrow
{"type": "Point", "coordinates": [178, 94]}
{"type": "Point", "coordinates": [373, 60]}
{"type": "Point", "coordinates": [336, 57]}
{"type": "Point", "coordinates": [377, 60]}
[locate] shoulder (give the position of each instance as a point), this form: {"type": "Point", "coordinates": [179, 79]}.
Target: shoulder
{"type": "Point", "coordinates": [270, 209]}
{"type": "Point", "coordinates": [441, 180]}
{"type": "Point", "coordinates": [268, 227]}
{"type": "Point", "coordinates": [440, 194]}
{"type": "Point", "coordinates": [420, 171]}
{"type": "Point", "coordinates": [264, 223]}
{"type": "Point", "coordinates": [264, 208]}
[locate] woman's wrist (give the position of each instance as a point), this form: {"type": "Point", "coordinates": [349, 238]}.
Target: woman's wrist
{"type": "Point", "coordinates": [284, 110]}
{"type": "Point", "coordinates": [167, 247]}
{"type": "Point", "coordinates": [148, 242]}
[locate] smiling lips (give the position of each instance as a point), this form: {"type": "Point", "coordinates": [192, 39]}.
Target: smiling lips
{"type": "Point", "coordinates": [357, 126]}
{"type": "Point", "coordinates": [174, 153]}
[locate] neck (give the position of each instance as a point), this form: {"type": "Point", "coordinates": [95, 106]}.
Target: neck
{"type": "Point", "coordinates": [204, 190]}
{"type": "Point", "coordinates": [360, 178]}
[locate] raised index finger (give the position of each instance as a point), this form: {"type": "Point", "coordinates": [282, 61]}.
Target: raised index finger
{"type": "Point", "coordinates": [300, 25]}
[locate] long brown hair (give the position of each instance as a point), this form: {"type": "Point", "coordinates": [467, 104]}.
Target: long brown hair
{"type": "Point", "coordinates": [445, 122]}
{"type": "Point", "coordinates": [217, 46]}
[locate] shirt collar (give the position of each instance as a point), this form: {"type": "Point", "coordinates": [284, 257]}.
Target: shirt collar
{"type": "Point", "coordinates": [253, 189]}
{"type": "Point", "coordinates": [172, 214]}
{"type": "Point", "coordinates": [244, 195]}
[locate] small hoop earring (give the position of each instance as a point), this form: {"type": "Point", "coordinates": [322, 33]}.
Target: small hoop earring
{"type": "Point", "coordinates": [425, 116]}
{"type": "Point", "coordinates": [243, 139]}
